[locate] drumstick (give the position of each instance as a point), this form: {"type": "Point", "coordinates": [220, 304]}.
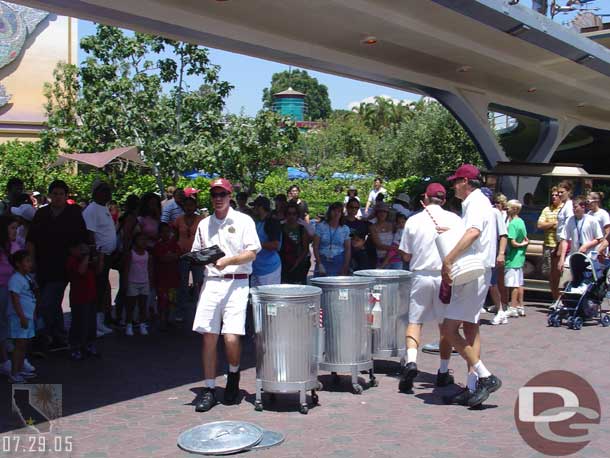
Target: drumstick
{"type": "Point", "coordinates": [428, 212]}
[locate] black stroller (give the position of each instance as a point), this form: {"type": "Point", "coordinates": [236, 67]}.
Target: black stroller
{"type": "Point", "coordinates": [582, 298]}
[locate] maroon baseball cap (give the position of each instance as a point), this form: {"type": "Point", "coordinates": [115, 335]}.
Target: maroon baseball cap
{"type": "Point", "coordinates": [190, 192]}
{"type": "Point", "coordinates": [465, 171]}
{"type": "Point", "coordinates": [436, 190]}
{"type": "Point", "coordinates": [221, 183]}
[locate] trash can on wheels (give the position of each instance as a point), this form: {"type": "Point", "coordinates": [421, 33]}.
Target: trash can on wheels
{"type": "Point", "coordinates": [391, 290]}
{"type": "Point", "coordinates": [286, 323]}
{"type": "Point", "coordinates": [346, 328]}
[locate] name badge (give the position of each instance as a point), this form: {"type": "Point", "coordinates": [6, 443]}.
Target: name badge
{"type": "Point", "coordinates": [231, 229]}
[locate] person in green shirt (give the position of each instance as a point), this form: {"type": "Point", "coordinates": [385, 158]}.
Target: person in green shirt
{"type": "Point", "coordinates": [515, 258]}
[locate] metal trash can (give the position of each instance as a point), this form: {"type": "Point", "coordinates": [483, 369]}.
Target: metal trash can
{"type": "Point", "coordinates": [346, 328]}
{"type": "Point", "coordinates": [391, 289]}
{"type": "Point", "coordinates": [286, 322]}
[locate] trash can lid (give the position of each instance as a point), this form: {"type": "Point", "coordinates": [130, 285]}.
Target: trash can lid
{"type": "Point", "coordinates": [220, 437]}
{"type": "Point", "coordinates": [383, 273]}
{"type": "Point", "coordinates": [341, 281]}
{"type": "Point", "coordinates": [287, 291]}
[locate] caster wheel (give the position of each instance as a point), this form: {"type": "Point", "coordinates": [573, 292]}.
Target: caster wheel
{"type": "Point", "coordinates": [374, 382]}
{"type": "Point", "coordinates": [357, 389]}
{"type": "Point", "coordinates": [304, 409]}
{"type": "Point", "coordinates": [577, 324]}
{"type": "Point", "coordinates": [550, 320]}
{"type": "Point", "coordinates": [605, 321]}
{"type": "Point", "coordinates": [315, 399]}
{"type": "Point", "coordinates": [556, 322]}
{"type": "Point", "coordinates": [570, 322]}
{"type": "Point", "coordinates": [258, 406]}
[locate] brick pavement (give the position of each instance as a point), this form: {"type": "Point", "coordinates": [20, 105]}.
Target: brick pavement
{"type": "Point", "coordinates": [137, 399]}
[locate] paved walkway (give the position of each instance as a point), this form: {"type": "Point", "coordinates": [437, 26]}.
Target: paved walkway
{"type": "Point", "coordinates": [137, 399]}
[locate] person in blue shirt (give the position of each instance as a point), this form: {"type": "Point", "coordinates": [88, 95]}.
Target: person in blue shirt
{"type": "Point", "coordinates": [332, 244]}
{"type": "Point", "coordinates": [267, 267]}
{"type": "Point", "coordinates": [20, 311]}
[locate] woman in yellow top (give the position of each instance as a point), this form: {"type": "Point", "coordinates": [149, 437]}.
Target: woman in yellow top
{"type": "Point", "coordinates": [550, 255]}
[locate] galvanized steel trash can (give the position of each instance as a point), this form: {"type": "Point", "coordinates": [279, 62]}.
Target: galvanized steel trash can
{"type": "Point", "coordinates": [286, 323]}
{"type": "Point", "coordinates": [391, 289]}
{"type": "Point", "coordinates": [347, 332]}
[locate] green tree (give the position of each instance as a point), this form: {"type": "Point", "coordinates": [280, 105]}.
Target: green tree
{"type": "Point", "coordinates": [431, 143]}
{"type": "Point", "coordinates": [128, 92]}
{"type": "Point", "coordinates": [249, 149]}
{"type": "Point", "coordinates": [344, 144]}
{"type": "Point", "coordinates": [317, 101]}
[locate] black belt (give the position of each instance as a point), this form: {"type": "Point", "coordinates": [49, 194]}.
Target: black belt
{"type": "Point", "coordinates": [231, 276]}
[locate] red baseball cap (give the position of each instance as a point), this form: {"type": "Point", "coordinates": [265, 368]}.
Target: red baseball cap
{"type": "Point", "coordinates": [465, 171]}
{"type": "Point", "coordinates": [436, 190]}
{"type": "Point", "coordinates": [221, 183]}
{"type": "Point", "coordinates": [188, 192]}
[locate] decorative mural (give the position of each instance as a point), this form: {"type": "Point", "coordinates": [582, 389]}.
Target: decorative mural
{"type": "Point", "coordinates": [17, 22]}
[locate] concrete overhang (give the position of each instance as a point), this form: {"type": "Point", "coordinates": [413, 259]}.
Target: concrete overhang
{"type": "Point", "coordinates": [502, 54]}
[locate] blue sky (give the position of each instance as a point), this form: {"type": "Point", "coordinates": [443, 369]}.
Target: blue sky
{"type": "Point", "coordinates": [246, 96]}
{"type": "Point", "coordinates": [249, 84]}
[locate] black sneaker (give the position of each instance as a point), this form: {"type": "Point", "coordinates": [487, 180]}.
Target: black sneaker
{"type": "Point", "coordinates": [491, 383]}
{"type": "Point", "coordinates": [462, 398]}
{"type": "Point", "coordinates": [408, 375]}
{"type": "Point", "coordinates": [92, 351]}
{"type": "Point", "coordinates": [76, 355]}
{"type": "Point", "coordinates": [206, 400]}
{"type": "Point", "coordinates": [444, 379]}
{"type": "Point", "coordinates": [232, 388]}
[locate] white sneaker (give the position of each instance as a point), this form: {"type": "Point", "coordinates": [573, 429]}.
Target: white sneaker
{"type": "Point", "coordinates": [521, 311]}
{"type": "Point", "coordinates": [129, 330]}
{"type": "Point", "coordinates": [5, 367]}
{"type": "Point", "coordinates": [512, 312]}
{"type": "Point", "coordinates": [500, 318]}
{"type": "Point", "coordinates": [143, 329]}
{"type": "Point", "coordinates": [27, 367]}
{"type": "Point", "coordinates": [16, 378]}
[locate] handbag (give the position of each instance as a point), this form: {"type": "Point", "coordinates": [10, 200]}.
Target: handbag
{"type": "Point", "coordinates": [202, 257]}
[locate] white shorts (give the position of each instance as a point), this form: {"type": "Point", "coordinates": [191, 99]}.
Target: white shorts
{"type": "Point", "coordinates": [274, 278]}
{"type": "Point", "coordinates": [425, 304]}
{"type": "Point", "coordinates": [222, 302]}
{"type": "Point", "coordinates": [467, 300]}
{"type": "Point", "coordinates": [513, 278]}
{"type": "Point", "coordinates": [137, 289]}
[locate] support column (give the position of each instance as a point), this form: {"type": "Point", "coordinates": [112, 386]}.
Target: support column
{"type": "Point", "coordinates": [470, 110]}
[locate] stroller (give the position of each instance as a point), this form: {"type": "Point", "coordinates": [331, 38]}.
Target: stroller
{"type": "Point", "coordinates": [583, 296]}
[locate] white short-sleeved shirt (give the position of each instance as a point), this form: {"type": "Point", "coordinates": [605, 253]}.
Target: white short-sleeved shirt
{"type": "Point", "coordinates": [98, 220]}
{"type": "Point", "coordinates": [602, 218]}
{"type": "Point", "coordinates": [233, 235]}
{"type": "Point", "coordinates": [500, 222]}
{"type": "Point", "coordinates": [419, 235]}
{"type": "Point", "coordinates": [373, 195]}
{"type": "Point", "coordinates": [581, 231]}
{"type": "Point", "coordinates": [563, 215]}
{"type": "Point", "coordinates": [477, 212]}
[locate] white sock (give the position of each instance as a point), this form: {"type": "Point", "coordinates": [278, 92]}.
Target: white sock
{"type": "Point", "coordinates": [411, 355]}
{"type": "Point", "coordinates": [472, 381]}
{"type": "Point", "coordinates": [210, 383]}
{"type": "Point", "coordinates": [481, 370]}
{"type": "Point", "coordinates": [444, 366]}
{"type": "Point", "coordinates": [233, 368]}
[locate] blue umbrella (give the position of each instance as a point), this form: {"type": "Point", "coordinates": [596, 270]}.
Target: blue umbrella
{"type": "Point", "coordinates": [296, 174]}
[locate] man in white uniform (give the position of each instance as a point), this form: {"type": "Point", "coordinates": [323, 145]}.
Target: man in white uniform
{"type": "Point", "coordinates": [467, 300]}
{"type": "Point", "coordinates": [419, 249]}
{"type": "Point", "coordinates": [224, 296]}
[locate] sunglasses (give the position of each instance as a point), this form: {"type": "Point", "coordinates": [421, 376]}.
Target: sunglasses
{"type": "Point", "coordinates": [592, 200]}
{"type": "Point", "coordinates": [221, 195]}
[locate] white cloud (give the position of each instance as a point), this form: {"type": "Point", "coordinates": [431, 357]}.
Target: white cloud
{"type": "Point", "coordinates": [371, 99]}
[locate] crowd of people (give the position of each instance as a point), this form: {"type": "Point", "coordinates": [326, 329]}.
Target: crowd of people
{"type": "Point", "coordinates": [50, 242]}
